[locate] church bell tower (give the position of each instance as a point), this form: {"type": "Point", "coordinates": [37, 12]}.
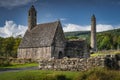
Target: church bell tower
{"type": "Point", "coordinates": [32, 18]}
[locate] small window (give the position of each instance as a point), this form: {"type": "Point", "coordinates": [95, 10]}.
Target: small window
{"type": "Point", "coordinates": [29, 13]}
{"type": "Point", "coordinates": [60, 55]}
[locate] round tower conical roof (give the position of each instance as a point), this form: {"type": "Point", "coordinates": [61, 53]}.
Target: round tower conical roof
{"type": "Point", "coordinates": [32, 8]}
{"type": "Point", "coordinates": [93, 17]}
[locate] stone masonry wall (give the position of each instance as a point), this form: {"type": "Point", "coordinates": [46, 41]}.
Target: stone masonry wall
{"type": "Point", "coordinates": [34, 53]}
{"type": "Point", "coordinates": [77, 64]}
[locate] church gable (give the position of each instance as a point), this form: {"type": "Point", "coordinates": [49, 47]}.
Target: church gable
{"type": "Point", "coordinates": [59, 38]}
{"type": "Point", "coordinates": [58, 43]}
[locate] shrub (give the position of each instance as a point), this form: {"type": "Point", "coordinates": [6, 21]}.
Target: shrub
{"type": "Point", "coordinates": [98, 74]}
{"type": "Point", "coordinates": [4, 63]}
{"type": "Point", "coordinates": [61, 77]}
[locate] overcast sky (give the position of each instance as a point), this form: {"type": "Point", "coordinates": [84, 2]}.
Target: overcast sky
{"type": "Point", "coordinates": [74, 14]}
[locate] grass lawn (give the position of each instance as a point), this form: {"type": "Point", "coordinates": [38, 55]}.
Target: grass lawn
{"type": "Point", "coordinates": [38, 75]}
{"type": "Point", "coordinates": [15, 65]}
{"type": "Point", "coordinates": [103, 53]}
{"type": "Point", "coordinates": [93, 74]}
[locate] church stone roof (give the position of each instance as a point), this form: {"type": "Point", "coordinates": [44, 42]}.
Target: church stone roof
{"type": "Point", "coordinates": [41, 35]}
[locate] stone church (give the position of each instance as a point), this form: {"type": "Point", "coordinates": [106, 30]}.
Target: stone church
{"type": "Point", "coordinates": [47, 40]}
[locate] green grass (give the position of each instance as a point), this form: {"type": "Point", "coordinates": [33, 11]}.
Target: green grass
{"type": "Point", "coordinates": [99, 74]}
{"type": "Point", "coordinates": [97, 54]}
{"type": "Point", "coordinates": [37, 75]}
{"type": "Point", "coordinates": [15, 65]}
{"type": "Point", "coordinates": [93, 74]}
{"type": "Point", "coordinates": [103, 53]}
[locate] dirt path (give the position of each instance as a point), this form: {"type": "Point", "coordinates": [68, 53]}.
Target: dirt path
{"type": "Point", "coordinates": [17, 69]}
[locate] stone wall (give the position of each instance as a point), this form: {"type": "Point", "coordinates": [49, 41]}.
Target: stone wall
{"type": "Point", "coordinates": [34, 53]}
{"type": "Point", "coordinates": [76, 49]}
{"type": "Point", "coordinates": [77, 64]}
{"type": "Point", "coordinates": [58, 52]}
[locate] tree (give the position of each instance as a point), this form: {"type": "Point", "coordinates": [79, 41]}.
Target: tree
{"type": "Point", "coordinates": [9, 46]}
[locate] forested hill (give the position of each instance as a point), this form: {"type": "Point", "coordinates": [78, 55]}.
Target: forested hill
{"type": "Point", "coordinates": [77, 33]}
{"type": "Point", "coordinates": [105, 40]}
{"type": "Point", "coordinates": [83, 33]}
{"type": "Point", "coordinates": [108, 39]}
{"type": "Point", "coordinates": [115, 31]}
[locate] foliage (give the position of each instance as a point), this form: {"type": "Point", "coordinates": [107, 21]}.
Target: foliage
{"type": "Point", "coordinates": [9, 46]}
{"type": "Point", "coordinates": [99, 74]}
{"type": "Point", "coordinates": [4, 63]}
{"type": "Point", "coordinates": [77, 33]}
{"type": "Point", "coordinates": [107, 40]}
{"type": "Point", "coordinates": [72, 37]}
{"type": "Point", "coordinates": [93, 74]}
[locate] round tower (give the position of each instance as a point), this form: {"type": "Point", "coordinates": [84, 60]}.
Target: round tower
{"type": "Point", "coordinates": [32, 18]}
{"type": "Point", "coordinates": [93, 34]}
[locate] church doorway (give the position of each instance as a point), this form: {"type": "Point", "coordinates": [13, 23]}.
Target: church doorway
{"type": "Point", "coordinates": [60, 55]}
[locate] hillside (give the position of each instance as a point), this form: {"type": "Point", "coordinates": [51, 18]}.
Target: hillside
{"type": "Point", "coordinates": [77, 34]}
{"type": "Point", "coordinates": [115, 31]}
{"type": "Point", "coordinates": [106, 40]}
{"type": "Point", "coordinates": [87, 33]}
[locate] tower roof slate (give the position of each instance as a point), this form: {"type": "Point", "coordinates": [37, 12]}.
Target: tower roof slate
{"type": "Point", "coordinates": [32, 8]}
{"type": "Point", "coordinates": [93, 17]}
{"type": "Point", "coordinates": [40, 36]}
